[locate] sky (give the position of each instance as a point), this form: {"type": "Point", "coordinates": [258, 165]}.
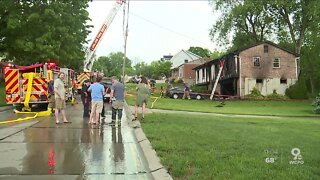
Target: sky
{"type": "Point", "coordinates": [156, 28]}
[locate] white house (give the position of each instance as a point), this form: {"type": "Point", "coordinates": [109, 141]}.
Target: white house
{"type": "Point", "coordinates": [183, 57]}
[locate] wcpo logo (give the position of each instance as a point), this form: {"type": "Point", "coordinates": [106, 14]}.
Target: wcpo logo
{"type": "Point", "coordinates": [297, 157]}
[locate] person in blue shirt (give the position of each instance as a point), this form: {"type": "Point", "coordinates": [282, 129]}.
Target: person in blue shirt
{"type": "Point", "coordinates": [97, 93]}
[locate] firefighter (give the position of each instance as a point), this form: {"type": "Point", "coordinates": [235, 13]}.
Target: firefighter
{"type": "Point", "coordinates": [86, 98]}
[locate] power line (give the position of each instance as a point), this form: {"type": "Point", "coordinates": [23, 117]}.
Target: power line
{"type": "Point", "coordinates": [168, 29]}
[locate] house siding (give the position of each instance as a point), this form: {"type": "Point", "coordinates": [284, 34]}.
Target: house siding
{"type": "Point", "coordinates": [180, 58]}
{"type": "Point", "coordinates": [269, 75]}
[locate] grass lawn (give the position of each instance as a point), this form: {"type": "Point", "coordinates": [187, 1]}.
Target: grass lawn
{"type": "Point", "coordinates": [278, 108]}
{"type": "Point", "coordinates": [210, 147]}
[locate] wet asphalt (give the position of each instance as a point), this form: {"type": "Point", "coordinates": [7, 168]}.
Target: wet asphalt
{"type": "Point", "coordinates": [41, 149]}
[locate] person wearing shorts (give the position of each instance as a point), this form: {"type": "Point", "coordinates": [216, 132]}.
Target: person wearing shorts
{"type": "Point", "coordinates": [59, 95]}
{"type": "Point", "coordinates": [142, 97]}
{"type": "Point", "coordinates": [97, 93]}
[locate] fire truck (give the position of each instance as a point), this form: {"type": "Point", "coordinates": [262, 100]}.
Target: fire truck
{"type": "Point", "coordinates": [28, 85]}
{"type": "Point", "coordinates": [90, 56]}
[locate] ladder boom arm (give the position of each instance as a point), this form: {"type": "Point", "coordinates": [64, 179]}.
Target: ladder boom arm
{"type": "Point", "coordinates": [88, 63]}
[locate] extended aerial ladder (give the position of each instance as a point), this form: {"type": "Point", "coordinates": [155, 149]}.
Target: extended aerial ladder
{"type": "Point", "coordinates": [88, 63]}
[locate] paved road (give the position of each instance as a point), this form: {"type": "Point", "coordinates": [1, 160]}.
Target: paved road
{"type": "Point", "coordinates": [40, 149]}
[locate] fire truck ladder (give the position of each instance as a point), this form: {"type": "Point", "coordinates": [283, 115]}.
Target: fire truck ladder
{"type": "Point", "coordinates": [88, 63]}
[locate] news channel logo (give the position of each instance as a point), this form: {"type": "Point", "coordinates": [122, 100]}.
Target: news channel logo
{"type": "Point", "coordinates": [272, 156]}
{"type": "Point", "coordinates": [297, 157]}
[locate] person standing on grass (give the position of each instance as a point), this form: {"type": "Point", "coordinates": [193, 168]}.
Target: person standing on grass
{"type": "Point", "coordinates": [186, 92]}
{"type": "Point", "coordinates": [142, 97]}
{"type": "Point", "coordinates": [86, 98]}
{"type": "Point", "coordinates": [117, 99]}
{"type": "Point", "coordinates": [97, 93]}
{"type": "Point", "coordinates": [161, 91]}
{"type": "Point", "coordinates": [60, 95]}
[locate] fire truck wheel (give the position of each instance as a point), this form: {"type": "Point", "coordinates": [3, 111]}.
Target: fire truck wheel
{"type": "Point", "coordinates": [18, 107]}
{"type": "Point", "coordinates": [43, 106]}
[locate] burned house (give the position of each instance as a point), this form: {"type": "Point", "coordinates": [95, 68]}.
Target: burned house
{"type": "Point", "coordinates": [265, 66]}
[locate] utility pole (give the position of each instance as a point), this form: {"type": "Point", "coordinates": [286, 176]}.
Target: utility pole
{"type": "Point", "coordinates": [125, 31]}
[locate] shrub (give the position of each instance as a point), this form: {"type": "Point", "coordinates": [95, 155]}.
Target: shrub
{"type": "Point", "coordinates": [255, 94]}
{"type": "Point", "coordinates": [200, 89]}
{"type": "Point", "coordinates": [297, 91]}
{"type": "Point", "coordinates": [178, 81]}
{"type": "Point", "coordinates": [275, 95]}
{"type": "Point", "coordinates": [316, 104]}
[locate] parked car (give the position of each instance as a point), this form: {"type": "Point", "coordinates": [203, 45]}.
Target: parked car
{"type": "Point", "coordinates": [177, 93]}
{"type": "Point", "coordinates": [134, 80]}
{"type": "Point", "coordinates": [107, 83]}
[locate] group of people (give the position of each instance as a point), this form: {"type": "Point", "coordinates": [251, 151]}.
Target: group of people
{"type": "Point", "coordinates": [92, 96]}
{"type": "Point", "coordinates": [92, 99]}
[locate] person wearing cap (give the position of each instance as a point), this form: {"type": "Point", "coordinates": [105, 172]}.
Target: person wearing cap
{"type": "Point", "coordinates": [86, 98]}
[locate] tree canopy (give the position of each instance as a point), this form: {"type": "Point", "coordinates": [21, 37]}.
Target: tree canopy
{"type": "Point", "coordinates": [39, 30]}
{"type": "Point", "coordinates": [156, 70]}
{"type": "Point", "coordinates": [112, 65]}
{"type": "Point", "coordinates": [203, 52]}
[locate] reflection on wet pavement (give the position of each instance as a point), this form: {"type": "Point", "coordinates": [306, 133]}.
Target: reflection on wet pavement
{"type": "Point", "coordinates": [76, 150]}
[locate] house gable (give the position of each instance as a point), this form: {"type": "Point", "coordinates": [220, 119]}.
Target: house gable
{"type": "Point", "coordinates": [181, 58]}
{"type": "Point", "coordinates": [257, 63]}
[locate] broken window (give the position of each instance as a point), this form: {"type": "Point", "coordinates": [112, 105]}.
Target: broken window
{"type": "Point", "coordinates": [256, 61]}
{"type": "Point", "coordinates": [259, 80]}
{"type": "Point", "coordinates": [283, 81]}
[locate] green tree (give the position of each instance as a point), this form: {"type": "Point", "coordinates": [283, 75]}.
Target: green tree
{"type": "Point", "coordinates": [316, 104]}
{"type": "Point", "coordinates": [160, 69]}
{"type": "Point", "coordinates": [200, 51]}
{"type": "Point", "coordinates": [143, 68]}
{"type": "Point", "coordinates": [293, 19]}
{"type": "Point", "coordinates": [38, 30]}
{"type": "Point", "coordinates": [113, 64]}
{"type": "Point", "coordinates": [310, 63]}
{"type": "Point", "coordinates": [245, 20]}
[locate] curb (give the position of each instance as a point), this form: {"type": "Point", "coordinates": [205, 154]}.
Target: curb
{"type": "Point", "coordinates": [157, 170]}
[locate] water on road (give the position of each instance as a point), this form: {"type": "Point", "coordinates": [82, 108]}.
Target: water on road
{"type": "Point", "coordinates": [41, 149]}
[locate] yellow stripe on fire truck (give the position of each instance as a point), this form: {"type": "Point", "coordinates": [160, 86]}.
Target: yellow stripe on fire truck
{"type": "Point", "coordinates": [12, 85]}
{"type": "Point", "coordinates": [39, 87]}
{"type": "Point", "coordinates": [82, 77]}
